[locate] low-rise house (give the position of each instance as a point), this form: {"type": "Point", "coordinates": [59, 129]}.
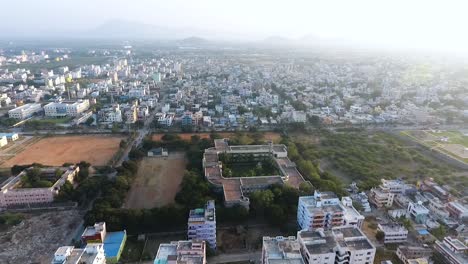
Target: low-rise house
{"type": "Point", "coordinates": [281, 250]}
{"type": "Point", "coordinates": [453, 250]}
{"type": "Point", "coordinates": [457, 210]}
{"type": "Point", "coordinates": [92, 253]}
{"type": "Point", "coordinates": [188, 251]}
{"type": "Point", "coordinates": [408, 254]}
{"type": "Point", "coordinates": [394, 233]}
{"type": "Point", "coordinates": [158, 152]}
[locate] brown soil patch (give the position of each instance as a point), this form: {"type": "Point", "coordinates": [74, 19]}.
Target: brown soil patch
{"type": "Point", "coordinates": [55, 151]}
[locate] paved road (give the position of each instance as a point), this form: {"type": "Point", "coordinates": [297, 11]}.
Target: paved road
{"type": "Point", "coordinates": [142, 132]}
{"type": "Point", "coordinates": [225, 258]}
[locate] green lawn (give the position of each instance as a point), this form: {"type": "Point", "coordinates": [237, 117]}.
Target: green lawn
{"type": "Point", "coordinates": [454, 137]}
{"type": "Point", "coordinates": [63, 120]}
{"type": "Point", "coordinates": [251, 169]}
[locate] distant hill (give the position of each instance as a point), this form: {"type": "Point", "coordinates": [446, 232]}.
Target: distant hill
{"type": "Point", "coordinates": [134, 30]}
{"type": "Point", "coordinates": [193, 41]}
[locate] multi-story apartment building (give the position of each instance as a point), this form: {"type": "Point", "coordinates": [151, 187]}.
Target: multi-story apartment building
{"type": "Point", "coordinates": [25, 111]}
{"type": "Point", "coordinates": [343, 245]}
{"type": "Point", "coordinates": [62, 109]}
{"type": "Point", "coordinates": [453, 250]}
{"type": "Point", "coordinates": [385, 193]}
{"type": "Point", "coordinates": [394, 233]}
{"type": "Point", "coordinates": [281, 250]}
{"type": "Point", "coordinates": [437, 208]}
{"type": "Point", "coordinates": [407, 253]}
{"type": "Point", "coordinates": [177, 252]}
{"type": "Point", "coordinates": [110, 115]}
{"type": "Point", "coordinates": [202, 224]}
{"type": "Point", "coordinates": [13, 193]}
{"type": "Point", "coordinates": [325, 210]}
{"type": "Point", "coordinates": [322, 210]}
{"type": "Point", "coordinates": [457, 210]}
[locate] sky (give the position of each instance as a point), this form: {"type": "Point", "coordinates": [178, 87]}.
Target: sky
{"type": "Point", "coordinates": [440, 24]}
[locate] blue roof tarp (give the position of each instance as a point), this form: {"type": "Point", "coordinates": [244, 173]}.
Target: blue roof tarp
{"type": "Point", "coordinates": [113, 242]}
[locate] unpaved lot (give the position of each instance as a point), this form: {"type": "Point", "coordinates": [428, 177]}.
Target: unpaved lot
{"type": "Point", "coordinates": [157, 181]}
{"type": "Point", "coordinates": [36, 239]}
{"type": "Point", "coordinates": [55, 151]}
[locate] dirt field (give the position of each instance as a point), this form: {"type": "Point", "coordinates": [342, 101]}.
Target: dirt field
{"type": "Point", "coordinates": [275, 137]}
{"type": "Point", "coordinates": [54, 151]}
{"type": "Point", "coordinates": [37, 238]}
{"type": "Point", "coordinates": [157, 181]}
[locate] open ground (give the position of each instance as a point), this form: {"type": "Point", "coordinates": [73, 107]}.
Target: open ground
{"type": "Point", "coordinates": [28, 242]}
{"type": "Point", "coordinates": [55, 151]}
{"type": "Point", "coordinates": [273, 136]}
{"type": "Point", "coordinates": [452, 143]}
{"type": "Point", "coordinates": [157, 181]}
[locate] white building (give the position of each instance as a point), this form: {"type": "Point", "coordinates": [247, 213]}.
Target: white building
{"type": "Point", "coordinates": [281, 250]}
{"type": "Point", "coordinates": [394, 233]}
{"type": "Point", "coordinates": [62, 109]}
{"type": "Point", "coordinates": [344, 245]}
{"type": "Point", "coordinates": [111, 114]}
{"type": "Point", "coordinates": [25, 111]}
{"type": "Point", "coordinates": [453, 250]}
{"type": "Point", "coordinates": [325, 210]}
{"type": "Point", "coordinates": [384, 195]}
{"type": "Point", "coordinates": [202, 224]}
{"type": "Point", "coordinates": [91, 254]}
{"type": "Point", "coordinates": [176, 252]}
{"type": "Point", "coordinates": [3, 141]}
{"type": "Point", "coordinates": [418, 212]}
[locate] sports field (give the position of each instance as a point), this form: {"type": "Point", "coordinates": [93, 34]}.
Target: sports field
{"type": "Point", "coordinates": [57, 150]}
{"type": "Point", "coordinates": [157, 181]}
{"type": "Point", "coordinates": [452, 143]}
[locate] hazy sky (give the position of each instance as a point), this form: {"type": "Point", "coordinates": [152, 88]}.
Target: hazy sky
{"type": "Point", "coordinates": [436, 24]}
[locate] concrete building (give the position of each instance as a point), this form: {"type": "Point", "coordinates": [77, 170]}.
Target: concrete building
{"type": "Point", "coordinates": [114, 242]}
{"type": "Point", "coordinates": [13, 193]}
{"type": "Point", "coordinates": [457, 210]}
{"type": "Point", "coordinates": [110, 115]}
{"type": "Point", "coordinates": [63, 109]}
{"type": "Point", "coordinates": [394, 233]}
{"type": "Point", "coordinates": [385, 193]}
{"type": "Point", "coordinates": [235, 189]}
{"type": "Point", "coordinates": [25, 111]}
{"type": "Point", "coordinates": [202, 224]}
{"type": "Point", "coordinates": [92, 253]}
{"type": "Point", "coordinates": [325, 210]}
{"type": "Point", "coordinates": [418, 212]}
{"type": "Point", "coordinates": [3, 141]}
{"type": "Point", "coordinates": [453, 250]}
{"type": "Point", "coordinates": [280, 249]}
{"type": "Point", "coordinates": [10, 136]}
{"type": "Point", "coordinates": [176, 252]}
{"type": "Point", "coordinates": [94, 234]}
{"type": "Point", "coordinates": [344, 245]}
{"type": "Point", "coordinates": [408, 254]}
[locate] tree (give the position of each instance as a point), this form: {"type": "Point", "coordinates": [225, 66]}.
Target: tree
{"type": "Point", "coordinates": [90, 121]}
{"type": "Point", "coordinates": [379, 235]}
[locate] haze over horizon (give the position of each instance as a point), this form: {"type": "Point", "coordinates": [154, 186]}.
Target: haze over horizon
{"type": "Point", "coordinates": [430, 25]}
